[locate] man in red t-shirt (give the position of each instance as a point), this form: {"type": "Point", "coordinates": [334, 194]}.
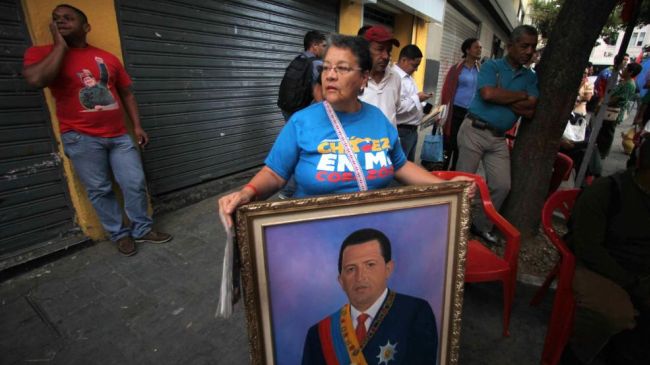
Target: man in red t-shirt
{"type": "Point", "coordinates": [90, 87]}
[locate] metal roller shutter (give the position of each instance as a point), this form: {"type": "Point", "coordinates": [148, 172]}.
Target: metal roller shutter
{"type": "Point", "coordinates": [456, 29]}
{"type": "Point", "coordinates": [35, 214]}
{"type": "Point", "coordinates": [206, 76]}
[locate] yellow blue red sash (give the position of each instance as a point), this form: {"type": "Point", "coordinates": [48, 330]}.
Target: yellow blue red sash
{"type": "Point", "coordinates": [337, 337]}
{"type": "Point", "coordinates": [338, 340]}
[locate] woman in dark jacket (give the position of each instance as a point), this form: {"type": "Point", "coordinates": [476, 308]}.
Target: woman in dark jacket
{"type": "Point", "coordinates": [457, 93]}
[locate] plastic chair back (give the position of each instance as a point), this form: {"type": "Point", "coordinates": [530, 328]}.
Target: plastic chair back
{"type": "Point", "coordinates": [561, 171]}
{"type": "Point", "coordinates": [482, 263]}
{"type": "Point", "coordinates": [561, 321]}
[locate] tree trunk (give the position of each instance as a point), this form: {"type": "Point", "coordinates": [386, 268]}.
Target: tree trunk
{"type": "Point", "coordinates": [560, 70]}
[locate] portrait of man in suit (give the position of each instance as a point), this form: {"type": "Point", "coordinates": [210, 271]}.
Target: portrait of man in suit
{"type": "Point", "coordinates": [377, 326]}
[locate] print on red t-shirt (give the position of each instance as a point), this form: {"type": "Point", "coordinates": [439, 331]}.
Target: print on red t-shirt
{"type": "Point", "coordinates": [85, 91]}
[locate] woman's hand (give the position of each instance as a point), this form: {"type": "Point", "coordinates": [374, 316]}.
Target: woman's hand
{"type": "Point", "coordinates": [264, 184]}
{"type": "Point", "coordinates": [472, 189]}
{"type": "Point", "coordinates": [229, 203]}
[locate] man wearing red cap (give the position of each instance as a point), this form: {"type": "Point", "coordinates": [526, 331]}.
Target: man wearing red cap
{"type": "Point", "coordinates": [384, 86]}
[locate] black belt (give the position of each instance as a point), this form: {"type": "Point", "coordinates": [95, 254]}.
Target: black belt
{"type": "Point", "coordinates": [483, 125]}
{"type": "Point", "coordinates": [408, 126]}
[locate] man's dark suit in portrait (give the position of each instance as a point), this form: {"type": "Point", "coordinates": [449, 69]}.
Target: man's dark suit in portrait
{"type": "Point", "coordinates": [378, 326]}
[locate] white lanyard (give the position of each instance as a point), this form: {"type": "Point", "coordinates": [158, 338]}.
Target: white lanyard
{"type": "Point", "coordinates": [343, 138]}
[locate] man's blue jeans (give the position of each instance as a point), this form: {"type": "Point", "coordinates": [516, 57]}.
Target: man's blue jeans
{"type": "Point", "coordinates": [94, 158]}
{"type": "Point", "coordinates": [408, 138]}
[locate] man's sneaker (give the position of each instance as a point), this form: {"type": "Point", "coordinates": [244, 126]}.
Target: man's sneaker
{"type": "Point", "coordinates": [126, 246]}
{"type": "Point", "coordinates": [154, 237]}
{"type": "Point", "coordinates": [488, 237]}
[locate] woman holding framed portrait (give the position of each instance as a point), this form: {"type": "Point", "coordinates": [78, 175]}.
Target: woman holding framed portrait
{"type": "Point", "coordinates": [336, 146]}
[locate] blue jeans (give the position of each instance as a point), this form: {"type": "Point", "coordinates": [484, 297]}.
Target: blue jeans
{"type": "Point", "coordinates": [94, 158]}
{"type": "Point", "coordinates": [408, 138]}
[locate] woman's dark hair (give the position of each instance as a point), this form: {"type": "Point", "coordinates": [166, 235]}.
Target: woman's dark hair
{"type": "Point", "coordinates": [467, 44]}
{"type": "Point", "coordinates": [359, 47]}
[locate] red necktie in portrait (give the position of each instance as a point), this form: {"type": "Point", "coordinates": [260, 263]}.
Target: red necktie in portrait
{"type": "Point", "coordinates": [361, 327]}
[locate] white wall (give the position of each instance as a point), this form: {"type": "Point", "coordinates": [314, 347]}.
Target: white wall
{"type": "Point", "coordinates": [431, 10]}
{"type": "Point", "coordinates": [434, 39]}
{"type": "Point", "coordinates": [488, 27]}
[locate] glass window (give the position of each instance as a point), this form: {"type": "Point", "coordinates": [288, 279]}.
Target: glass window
{"type": "Point", "coordinates": [639, 41]}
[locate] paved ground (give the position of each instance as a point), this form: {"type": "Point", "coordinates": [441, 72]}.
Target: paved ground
{"type": "Point", "coordinates": [89, 305]}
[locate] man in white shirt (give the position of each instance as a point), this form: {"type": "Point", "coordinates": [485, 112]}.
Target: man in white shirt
{"type": "Point", "coordinates": [410, 111]}
{"type": "Point", "coordinates": [383, 90]}
{"type": "Point", "coordinates": [380, 326]}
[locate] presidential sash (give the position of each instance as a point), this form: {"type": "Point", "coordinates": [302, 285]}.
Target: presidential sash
{"type": "Point", "coordinates": [337, 337]}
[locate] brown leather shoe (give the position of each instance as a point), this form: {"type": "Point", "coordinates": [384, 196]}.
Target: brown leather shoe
{"type": "Point", "coordinates": [154, 237]}
{"type": "Point", "coordinates": [126, 246]}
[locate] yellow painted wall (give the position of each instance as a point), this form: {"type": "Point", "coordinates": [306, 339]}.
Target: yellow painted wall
{"type": "Point", "coordinates": [103, 34]}
{"type": "Point", "coordinates": [420, 39]}
{"type": "Point", "coordinates": [350, 17]}
{"type": "Point", "coordinates": [403, 32]}
{"type": "Point", "coordinates": [408, 30]}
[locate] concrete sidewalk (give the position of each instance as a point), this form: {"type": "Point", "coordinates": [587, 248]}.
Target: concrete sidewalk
{"type": "Point", "coordinates": [157, 307]}
{"type": "Point", "coordinates": [90, 305]}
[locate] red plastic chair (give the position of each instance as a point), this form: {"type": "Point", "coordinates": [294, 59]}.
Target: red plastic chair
{"type": "Point", "coordinates": [562, 314]}
{"type": "Point", "coordinates": [511, 135]}
{"type": "Point", "coordinates": [561, 171]}
{"type": "Point", "coordinates": [483, 264]}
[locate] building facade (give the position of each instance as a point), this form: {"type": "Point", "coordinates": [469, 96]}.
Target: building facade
{"type": "Point", "coordinates": [603, 54]}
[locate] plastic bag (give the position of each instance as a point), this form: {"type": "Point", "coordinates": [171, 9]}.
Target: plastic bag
{"type": "Point", "coordinates": [576, 128]}
{"type": "Point", "coordinates": [432, 147]}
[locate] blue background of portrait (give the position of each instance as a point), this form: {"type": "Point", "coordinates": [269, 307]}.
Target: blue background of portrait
{"type": "Point", "coordinates": [302, 267]}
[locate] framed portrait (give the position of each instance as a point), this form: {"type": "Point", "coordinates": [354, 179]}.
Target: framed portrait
{"type": "Point", "coordinates": [289, 254]}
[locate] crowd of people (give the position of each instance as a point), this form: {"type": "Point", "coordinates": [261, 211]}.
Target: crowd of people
{"type": "Point", "coordinates": [355, 86]}
{"type": "Point", "coordinates": [609, 232]}
{"type": "Point", "coordinates": [352, 124]}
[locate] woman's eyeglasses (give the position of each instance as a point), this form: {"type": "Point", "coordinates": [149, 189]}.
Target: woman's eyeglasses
{"type": "Point", "coordinates": [339, 70]}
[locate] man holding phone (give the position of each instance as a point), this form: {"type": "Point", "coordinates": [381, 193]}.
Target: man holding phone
{"type": "Point", "coordinates": [410, 113]}
{"type": "Point", "coordinates": [90, 87]}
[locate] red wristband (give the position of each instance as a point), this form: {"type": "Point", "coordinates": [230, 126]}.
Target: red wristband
{"type": "Point", "coordinates": [255, 192]}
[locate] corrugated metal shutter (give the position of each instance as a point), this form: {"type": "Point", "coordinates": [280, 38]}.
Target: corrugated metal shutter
{"type": "Point", "coordinates": [456, 28]}
{"type": "Point", "coordinates": [206, 76]}
{"type": "Point", "coordinates": [34, 209]}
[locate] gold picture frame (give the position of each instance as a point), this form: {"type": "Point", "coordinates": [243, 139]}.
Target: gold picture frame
{"type": "Point", "coordinates": [288, 252]}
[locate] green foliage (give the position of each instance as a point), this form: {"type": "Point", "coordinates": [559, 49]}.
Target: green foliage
{"type": "Point", "coordinates": [544, 13]}
{"type": "Point", "coordinates": [644, 16]}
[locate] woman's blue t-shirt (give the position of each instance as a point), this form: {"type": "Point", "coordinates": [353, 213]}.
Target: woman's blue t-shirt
{"type": "Point", "coordinates": [308, 148]}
